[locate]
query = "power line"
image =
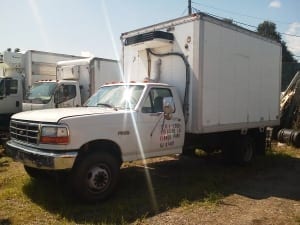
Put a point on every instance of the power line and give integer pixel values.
(240, 14)
(245, 24)
(292, 35)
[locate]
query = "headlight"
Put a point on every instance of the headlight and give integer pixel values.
(54, 135)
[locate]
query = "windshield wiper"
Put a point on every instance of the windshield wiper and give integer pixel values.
(107, 105)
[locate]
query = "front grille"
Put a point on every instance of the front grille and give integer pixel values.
(25, 131)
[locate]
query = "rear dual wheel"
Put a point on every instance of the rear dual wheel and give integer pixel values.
(239, 150)
(244, 152)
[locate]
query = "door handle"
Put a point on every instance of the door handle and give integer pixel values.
(17, 103)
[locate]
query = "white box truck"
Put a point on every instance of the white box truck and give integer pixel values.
(204, 83)
(18, 71)
(75, 81)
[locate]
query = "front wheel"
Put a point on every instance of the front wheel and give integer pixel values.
(95, 176)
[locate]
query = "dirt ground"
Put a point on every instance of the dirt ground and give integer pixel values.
(271, 196)
(236, 210)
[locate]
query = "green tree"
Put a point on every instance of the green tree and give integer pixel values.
(268, 29)
(289, 63)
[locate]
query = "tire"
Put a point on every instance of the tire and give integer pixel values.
(95, 176)
(35, 173)
(260, 143)
(244, 150)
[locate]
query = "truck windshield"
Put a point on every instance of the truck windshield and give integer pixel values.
(40, 93)
(116, 96)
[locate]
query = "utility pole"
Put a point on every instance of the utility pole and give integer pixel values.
(190, 6)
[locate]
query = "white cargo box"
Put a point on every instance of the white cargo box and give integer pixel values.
(42, 65)
(235, 74)
(12, 59)
(91, 73)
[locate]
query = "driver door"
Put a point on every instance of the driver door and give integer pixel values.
(11, 96)
(159, 134)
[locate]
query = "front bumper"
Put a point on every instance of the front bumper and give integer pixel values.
(36, 158)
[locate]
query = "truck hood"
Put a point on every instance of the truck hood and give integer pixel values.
(54, 115)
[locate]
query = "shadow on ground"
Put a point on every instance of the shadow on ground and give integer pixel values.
(173, 183)
(5, 222)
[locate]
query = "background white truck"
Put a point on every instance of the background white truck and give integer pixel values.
(18, 71)
(11, 85)
(205, 83)
(75, 81)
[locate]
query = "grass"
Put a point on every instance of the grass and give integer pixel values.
(177, 183)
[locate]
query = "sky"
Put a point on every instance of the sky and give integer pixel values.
(93, 27)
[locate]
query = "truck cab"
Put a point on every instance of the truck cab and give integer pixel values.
(52, 94)
(142, 123)
(122, 122)
(11, 87)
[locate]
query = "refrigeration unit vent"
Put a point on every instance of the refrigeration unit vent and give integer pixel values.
(150, 39)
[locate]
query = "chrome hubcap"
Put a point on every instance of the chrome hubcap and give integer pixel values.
(98, 178)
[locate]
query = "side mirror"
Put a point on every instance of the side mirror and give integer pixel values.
(168, 107)
(58, 96)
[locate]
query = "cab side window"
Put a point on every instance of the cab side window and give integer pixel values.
(13, 87)
(154, 100)
(67, 92)
(8, 86)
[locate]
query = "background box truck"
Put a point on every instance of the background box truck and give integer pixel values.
(18, 71)
(75, 81)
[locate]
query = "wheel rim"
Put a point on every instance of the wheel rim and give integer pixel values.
(98, 178)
